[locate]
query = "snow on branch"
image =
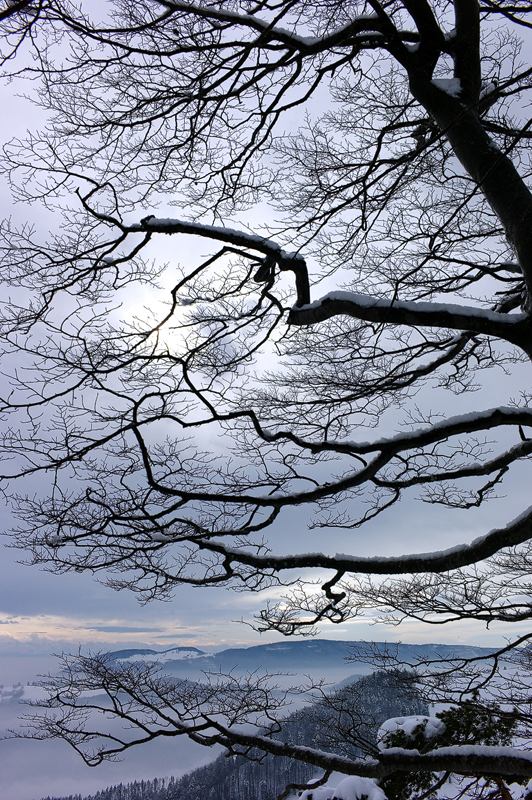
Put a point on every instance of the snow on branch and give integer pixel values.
(268, 32)
(461, 759)
(462, 555)
(512, 327)
(292, 262)
(435, 432)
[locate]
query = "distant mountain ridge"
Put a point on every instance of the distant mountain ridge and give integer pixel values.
(311, 654)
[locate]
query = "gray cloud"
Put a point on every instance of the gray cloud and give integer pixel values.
(122, 629)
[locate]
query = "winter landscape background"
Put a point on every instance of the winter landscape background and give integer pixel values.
(32, 770)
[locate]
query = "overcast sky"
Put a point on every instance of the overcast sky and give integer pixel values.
(75, 608)
(36, 606)
(42, 613)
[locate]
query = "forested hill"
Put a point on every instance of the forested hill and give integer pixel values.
(374, 697)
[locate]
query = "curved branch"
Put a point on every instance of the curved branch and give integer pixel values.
(293, 262)
(460, 759)
(516, 532)
(437, 432)
(515, 328)
(269, 32)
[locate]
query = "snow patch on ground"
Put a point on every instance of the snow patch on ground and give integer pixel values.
(352, 788)
(179, 653)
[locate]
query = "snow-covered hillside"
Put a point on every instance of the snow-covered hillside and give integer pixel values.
(172, 654)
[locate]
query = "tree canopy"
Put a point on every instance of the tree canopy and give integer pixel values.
(359, 173)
